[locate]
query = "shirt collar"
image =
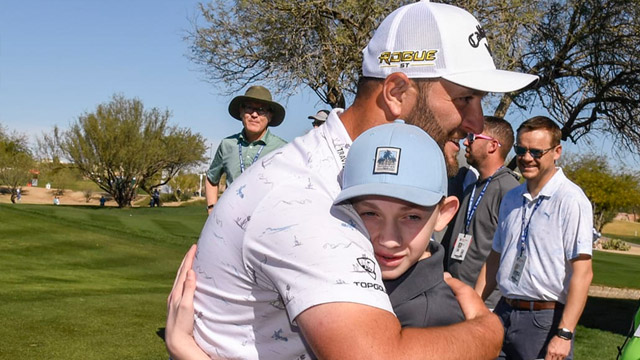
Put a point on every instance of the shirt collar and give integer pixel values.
(550, 187)
(429, 274)
(263, 140)
(336, 135)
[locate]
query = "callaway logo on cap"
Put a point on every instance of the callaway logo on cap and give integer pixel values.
(430, 40)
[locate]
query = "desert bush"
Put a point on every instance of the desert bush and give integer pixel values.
(88, 193)
(615, 244)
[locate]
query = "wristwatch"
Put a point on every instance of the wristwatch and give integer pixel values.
(564, 333)
(209, 207)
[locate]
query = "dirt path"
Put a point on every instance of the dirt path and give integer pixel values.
(615, 293)
(40, 195)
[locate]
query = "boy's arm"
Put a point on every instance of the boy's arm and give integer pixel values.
(179, 331)
(365, 332)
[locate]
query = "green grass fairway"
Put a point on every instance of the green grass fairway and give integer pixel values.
(84, 282)
(624, 230)
(616, 270)
(89, 282)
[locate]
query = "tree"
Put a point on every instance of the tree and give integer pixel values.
(609, 191)
(316, 43)
(16, 160)
(122, 147)
(184, 185)
(586, 52)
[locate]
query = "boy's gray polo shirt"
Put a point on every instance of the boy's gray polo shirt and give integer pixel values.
(420, 297)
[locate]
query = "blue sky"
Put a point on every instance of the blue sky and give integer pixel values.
(59, 59)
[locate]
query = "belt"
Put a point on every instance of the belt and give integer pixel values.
(530, 305)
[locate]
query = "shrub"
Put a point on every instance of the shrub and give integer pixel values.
(88, 193)
(615, 244)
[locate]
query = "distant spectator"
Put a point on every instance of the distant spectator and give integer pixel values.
(319, 118)
(19, 194)
(237, 152)
(102, 200)
(56, 200)
(155, 198)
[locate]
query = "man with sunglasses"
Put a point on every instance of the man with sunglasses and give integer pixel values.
(468, 241)
(257, 111)
(541, 253)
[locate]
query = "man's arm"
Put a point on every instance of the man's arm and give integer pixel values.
(354, 331)
(211, 194)
(576, 299)
(487, 279)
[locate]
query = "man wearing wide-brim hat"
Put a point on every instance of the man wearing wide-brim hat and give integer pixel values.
(236, 153)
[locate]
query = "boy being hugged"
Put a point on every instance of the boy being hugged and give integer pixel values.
(394, 188)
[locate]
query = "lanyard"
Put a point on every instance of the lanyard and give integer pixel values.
(524, 231)
(242, 160)
(471, 210)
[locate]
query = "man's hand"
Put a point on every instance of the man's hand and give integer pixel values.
(558, 349)
(179, 330)
(470, 302)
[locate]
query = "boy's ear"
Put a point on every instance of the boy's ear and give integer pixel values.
(446, 211)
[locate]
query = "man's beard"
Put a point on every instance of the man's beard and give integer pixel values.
(422, 117)
(452, 163)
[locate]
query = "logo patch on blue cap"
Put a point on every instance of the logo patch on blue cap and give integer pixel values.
(387, 160)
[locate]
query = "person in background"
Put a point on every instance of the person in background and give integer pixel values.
(541, 253)
(236, 153)
(469, 238)
(319, 118)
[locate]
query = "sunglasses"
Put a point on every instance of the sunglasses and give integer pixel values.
(535, 153)
(473, 137)
(260, 110)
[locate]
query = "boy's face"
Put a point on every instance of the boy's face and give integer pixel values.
(400, 231)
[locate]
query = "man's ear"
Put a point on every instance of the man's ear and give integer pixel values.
(494, 146)
(396, 94)
(557, 152)
(446, 211)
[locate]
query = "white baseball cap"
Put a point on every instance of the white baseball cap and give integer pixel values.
(431, 40)
(397, 160)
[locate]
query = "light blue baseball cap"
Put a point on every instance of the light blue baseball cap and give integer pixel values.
(397, 160)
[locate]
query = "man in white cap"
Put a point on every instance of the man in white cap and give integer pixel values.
(280, 277)
(319, 118)
(236, 153)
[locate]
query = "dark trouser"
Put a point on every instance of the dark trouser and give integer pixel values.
(528, 332)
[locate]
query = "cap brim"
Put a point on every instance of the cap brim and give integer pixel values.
(498, 81)
(277, 110)
(410, 194)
